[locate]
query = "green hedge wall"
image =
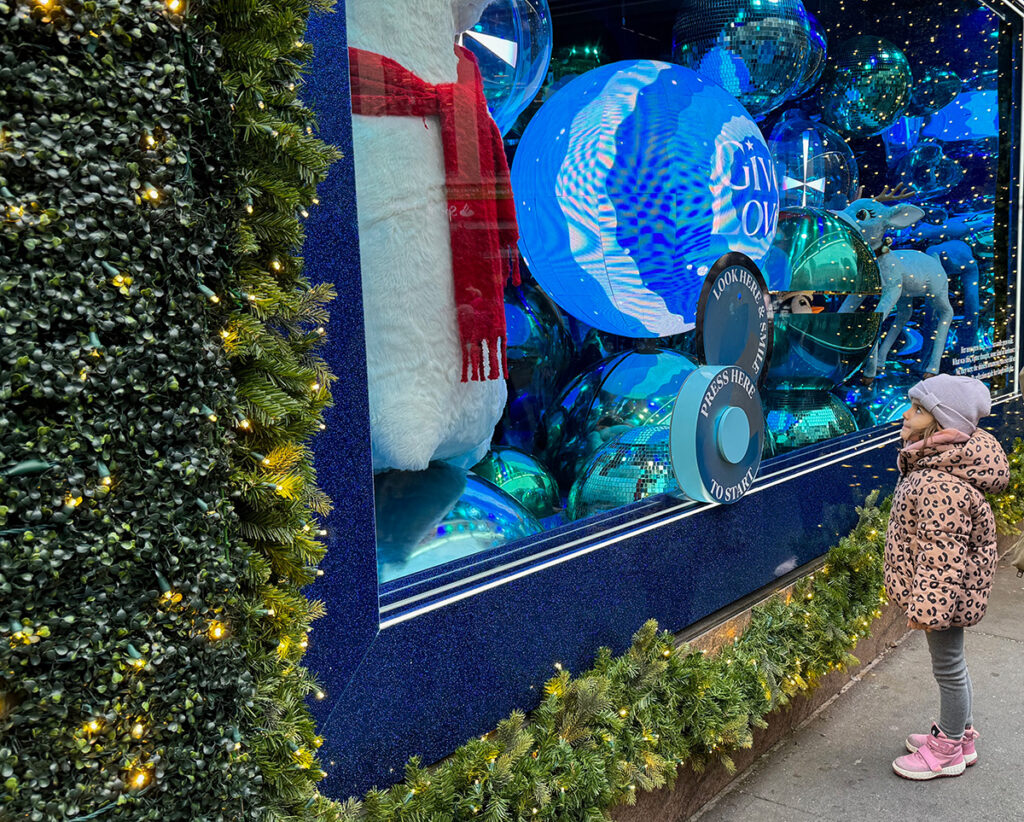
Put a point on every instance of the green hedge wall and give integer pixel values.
(159, 381)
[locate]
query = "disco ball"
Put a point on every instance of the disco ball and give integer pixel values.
(824, 258)
(540, 350)
(794, 419)
(928, 171)
(817, 57)
(512, 44)
(935, 89)
(883, 401)
(867, 88)
(523, 477)
(759, 52)
(625, 391)
(630, 182)
(427, 518)
(634, 465)
(815, 166)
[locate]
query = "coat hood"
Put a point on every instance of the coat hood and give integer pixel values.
(980, 461)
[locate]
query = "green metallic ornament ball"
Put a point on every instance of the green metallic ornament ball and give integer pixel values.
(521, 476)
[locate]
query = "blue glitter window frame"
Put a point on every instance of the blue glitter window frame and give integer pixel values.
(433, 661)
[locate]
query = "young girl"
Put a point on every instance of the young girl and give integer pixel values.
(940, 552)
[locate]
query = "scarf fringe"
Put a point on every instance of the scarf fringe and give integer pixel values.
(473, 360)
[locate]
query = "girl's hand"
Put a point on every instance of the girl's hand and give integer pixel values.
(913, 625)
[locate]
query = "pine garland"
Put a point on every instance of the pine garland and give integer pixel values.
(630, 722)
(273, 321)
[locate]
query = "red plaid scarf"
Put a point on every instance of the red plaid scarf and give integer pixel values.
(480, 208)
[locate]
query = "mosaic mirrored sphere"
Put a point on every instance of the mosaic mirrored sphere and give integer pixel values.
(819, 264)
(634, 465)
(630, 182)
(884, 401)
(427, 518)
(794, 419)
(816, 58)
(936, 88)
(512, 44)
(928, 170)
(815, 166)
(867, 88)
(759, 52)
(540, 350)
(522, 476)
(628, 390)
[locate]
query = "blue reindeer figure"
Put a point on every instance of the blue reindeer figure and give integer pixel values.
(905, 274)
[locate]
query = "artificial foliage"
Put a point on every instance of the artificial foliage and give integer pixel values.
(1008, 506)
(159, 383)
(631, 722)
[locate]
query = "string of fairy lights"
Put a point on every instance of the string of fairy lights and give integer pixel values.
(957, 35)
(139, 772)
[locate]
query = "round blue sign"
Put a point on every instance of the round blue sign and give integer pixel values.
(717, 434)
(630, 182)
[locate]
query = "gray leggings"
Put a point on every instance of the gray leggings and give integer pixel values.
(950, 670)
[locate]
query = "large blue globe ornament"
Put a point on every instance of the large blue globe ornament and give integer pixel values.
(629, 390)
(512, 43)
(630, 182)
(815, 166)
(901, 137)
(821, 256)
(540, 349)
(816, 58)
(760, 52)
(522, 476)
(868, 87)
(797, 419)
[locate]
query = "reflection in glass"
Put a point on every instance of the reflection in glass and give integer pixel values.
(427, 518)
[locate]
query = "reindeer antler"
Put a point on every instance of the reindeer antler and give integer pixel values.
(889, 195)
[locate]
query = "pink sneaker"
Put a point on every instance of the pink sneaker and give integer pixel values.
(939, 756)
(915, 741)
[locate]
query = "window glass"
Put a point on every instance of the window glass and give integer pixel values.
(852, 151)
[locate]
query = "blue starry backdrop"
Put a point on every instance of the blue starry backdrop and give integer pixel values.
(648, 138)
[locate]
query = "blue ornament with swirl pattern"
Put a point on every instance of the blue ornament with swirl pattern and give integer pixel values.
(630, 182)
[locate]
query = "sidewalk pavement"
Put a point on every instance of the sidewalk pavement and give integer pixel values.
(837, 766)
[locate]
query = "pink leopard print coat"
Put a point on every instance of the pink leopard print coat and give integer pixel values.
(940, 549)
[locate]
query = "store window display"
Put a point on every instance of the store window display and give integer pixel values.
(853, 158)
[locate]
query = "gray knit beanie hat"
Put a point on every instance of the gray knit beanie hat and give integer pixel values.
(955, 402)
